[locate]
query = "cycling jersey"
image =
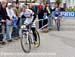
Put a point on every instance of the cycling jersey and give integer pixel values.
(29, 16)
(56, 13)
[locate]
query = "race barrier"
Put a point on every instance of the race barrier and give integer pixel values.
(42, 24)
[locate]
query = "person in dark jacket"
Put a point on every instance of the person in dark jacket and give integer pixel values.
(3, 17)
(40, 14)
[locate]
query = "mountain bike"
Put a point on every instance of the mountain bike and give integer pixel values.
(57, 22)
(27, 38)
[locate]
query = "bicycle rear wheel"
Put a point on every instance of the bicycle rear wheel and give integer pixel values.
(25, 43)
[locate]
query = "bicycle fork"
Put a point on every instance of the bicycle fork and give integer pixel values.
(27, 36)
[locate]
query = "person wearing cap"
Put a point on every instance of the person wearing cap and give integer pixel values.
(27, 16)
(10, 14)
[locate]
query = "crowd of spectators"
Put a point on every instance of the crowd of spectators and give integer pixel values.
(9, 16)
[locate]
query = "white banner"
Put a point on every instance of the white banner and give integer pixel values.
(0, 0)
(52, 0)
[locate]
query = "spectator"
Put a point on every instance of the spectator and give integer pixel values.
(52, 8)
(40, 7)
(4, 16)
(35, 8)
(17, 12)
(11, 14)
(49, 15)
(40, 14)
(62, 9)
(15, 28)
(17, 9)
(45, 15)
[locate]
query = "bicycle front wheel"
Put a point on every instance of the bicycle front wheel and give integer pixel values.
(38, 38)
(58, 25)
(25, 43)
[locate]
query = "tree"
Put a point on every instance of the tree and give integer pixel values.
(58, 2)
(17, 1)
(44, 1)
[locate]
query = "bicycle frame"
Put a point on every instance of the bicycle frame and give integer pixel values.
(26, 30)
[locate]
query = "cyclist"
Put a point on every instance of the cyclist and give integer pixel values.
(28, 15)
(57, 14)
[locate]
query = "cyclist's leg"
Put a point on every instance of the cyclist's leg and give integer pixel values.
(34, 33)
(55, 21)
(33, 28)
(35, 38)
(58, 22)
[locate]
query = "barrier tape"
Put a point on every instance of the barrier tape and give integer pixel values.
(42, 20)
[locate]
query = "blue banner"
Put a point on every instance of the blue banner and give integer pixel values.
(68, 13)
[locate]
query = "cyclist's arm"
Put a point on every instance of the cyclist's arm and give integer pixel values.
(34, 16)
(22, 15)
